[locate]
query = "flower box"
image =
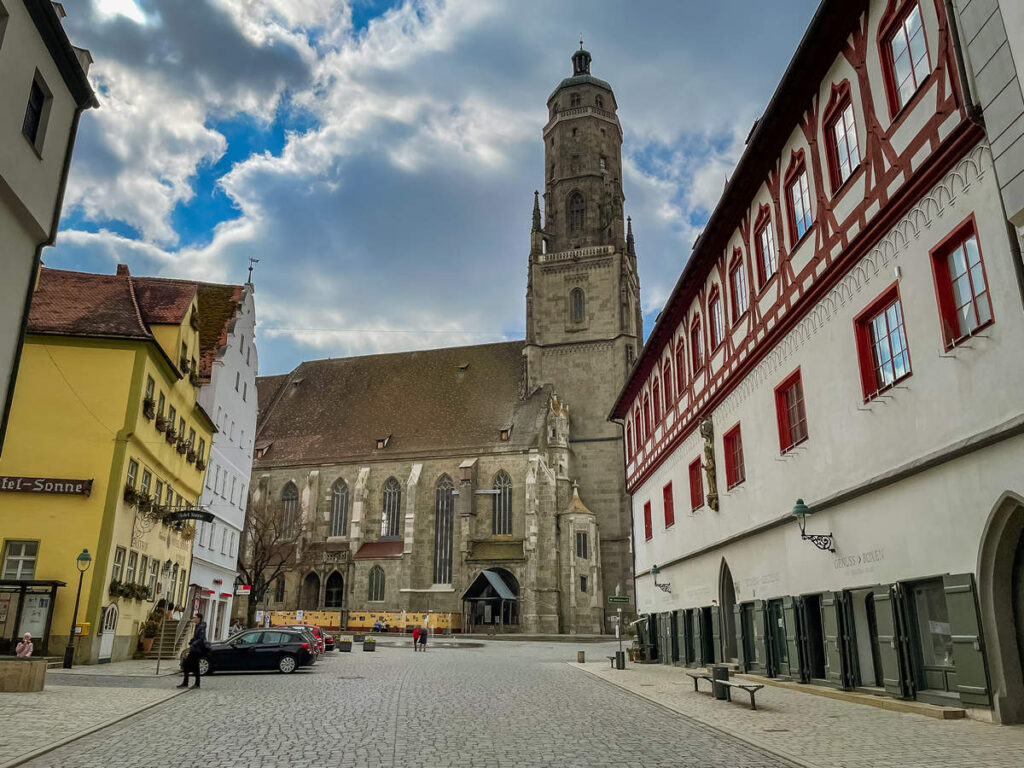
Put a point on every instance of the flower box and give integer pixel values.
(200, 463)
(130, 495)
(182, 446)
(161, 423)
(191, 456)
(369, 644)
(183, 364)
(149, 408)
(193, 378)
(170, 435)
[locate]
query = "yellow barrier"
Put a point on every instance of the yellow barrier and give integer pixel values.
(323, 619)
(402, 621)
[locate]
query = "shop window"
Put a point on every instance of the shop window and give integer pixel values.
(790, 412)
(734, 470)
(648, 525)
(20, 560)
(764, 245)
(798, 195)
(961, 284)
(715, 322)
(905, 64)
(696, 346)
(882, 344)
(669, 506)
(841, 150)
(738, 287)
(696, 485)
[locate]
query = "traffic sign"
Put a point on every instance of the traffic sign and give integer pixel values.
(618, 599)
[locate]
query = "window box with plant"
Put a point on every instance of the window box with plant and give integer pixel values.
(170, 435)
(149, 408)
(200, 463)
(182, 446)
(144, 502)
(116, 589)
(193, 378)
(183, 363)
(131, 496)
(191, 457)
(161, 423)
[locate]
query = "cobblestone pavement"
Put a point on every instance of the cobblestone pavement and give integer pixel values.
(826, 733)
(505, 704)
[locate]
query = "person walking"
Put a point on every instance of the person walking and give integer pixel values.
(24, 649)
(198, 647)
(423, 640)
(415, 638)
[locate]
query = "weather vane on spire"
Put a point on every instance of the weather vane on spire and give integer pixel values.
(252, 262)
(581, 41)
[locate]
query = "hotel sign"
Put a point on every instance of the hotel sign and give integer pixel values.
(45, 485)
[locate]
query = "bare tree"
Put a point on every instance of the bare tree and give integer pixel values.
(272, 549)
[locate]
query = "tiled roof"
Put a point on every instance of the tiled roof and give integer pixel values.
(218, 305)
(376, 550)
(84, 304)
(453, 399)
(163, 302)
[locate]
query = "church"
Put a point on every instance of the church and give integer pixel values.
(482, 482)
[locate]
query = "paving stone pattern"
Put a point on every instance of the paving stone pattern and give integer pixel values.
(506, 704)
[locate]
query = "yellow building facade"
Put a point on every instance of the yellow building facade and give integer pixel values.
(105, 441)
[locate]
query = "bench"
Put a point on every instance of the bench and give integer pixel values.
(698, 676)
(751, 688)
(612, 660)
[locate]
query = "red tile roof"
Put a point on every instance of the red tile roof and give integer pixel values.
(163, 302)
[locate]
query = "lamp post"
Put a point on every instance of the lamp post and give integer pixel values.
(83, 561)
(823, 542)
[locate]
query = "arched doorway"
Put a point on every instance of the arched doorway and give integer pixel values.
(310, 592)
(1001, 599)
(492, 599)
(727, 601)
(334, 593)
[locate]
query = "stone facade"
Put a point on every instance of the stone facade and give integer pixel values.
(503, 453)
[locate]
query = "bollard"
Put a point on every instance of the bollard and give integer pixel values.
(581, 657)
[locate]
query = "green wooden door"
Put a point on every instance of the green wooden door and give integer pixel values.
(737, 612)
(831, 629)
(717, 641)
(791, 607)
(758, 628)
(968, 646)
(891, 645)
(698, 638)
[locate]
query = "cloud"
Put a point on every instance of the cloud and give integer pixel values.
(393, 189)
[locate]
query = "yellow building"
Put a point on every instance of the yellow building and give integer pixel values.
(105, 440)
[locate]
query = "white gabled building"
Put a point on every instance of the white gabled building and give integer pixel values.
(848, 332)
(228, 394)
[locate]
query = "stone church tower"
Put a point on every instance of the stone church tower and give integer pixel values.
(583, 318)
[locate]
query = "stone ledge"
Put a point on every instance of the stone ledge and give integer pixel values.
(22, 675)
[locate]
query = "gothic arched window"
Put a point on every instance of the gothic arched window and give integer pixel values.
(289, 508)
(375, 591)
(501, 515)
(392, 505)
(339, 508)
(574, 100)
(577, 305)
(444, 503)
(576, 208)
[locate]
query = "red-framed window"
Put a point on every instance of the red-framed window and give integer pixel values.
(656, 398)
(696, 347)
(638, 433)
(680, 367)
(882, 343)
(716, 324)
(764, 245)
(670, 512)
(647, 416)
(629, 441)
(841, 149)
(790, 411)
(738, 294)
(961, 285)
(696, 485)
(904, 53)
(798, 195)
(648, 526)
(735, 474)
(666, 376)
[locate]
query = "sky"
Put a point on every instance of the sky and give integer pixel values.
(379, 158)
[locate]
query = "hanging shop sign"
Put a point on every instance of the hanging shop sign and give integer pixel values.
(243, 589)
(189, 514)
(45, 485)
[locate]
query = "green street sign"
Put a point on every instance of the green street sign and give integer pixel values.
(618, 599)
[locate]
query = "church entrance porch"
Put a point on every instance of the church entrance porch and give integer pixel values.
(492, 600)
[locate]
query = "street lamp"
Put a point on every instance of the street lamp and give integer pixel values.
(83, 561)
(822, 541)
(664, 586)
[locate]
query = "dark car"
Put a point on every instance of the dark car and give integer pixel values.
(282, 649)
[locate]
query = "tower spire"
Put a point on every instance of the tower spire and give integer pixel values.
(536, 211)
(630, 249)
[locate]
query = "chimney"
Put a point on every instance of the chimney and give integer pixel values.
(122, 270)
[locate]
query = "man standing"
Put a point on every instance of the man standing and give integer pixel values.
(198, 647)
(415, 638)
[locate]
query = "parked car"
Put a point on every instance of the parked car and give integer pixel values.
(328, 642)
(315, 631)
(280, 648)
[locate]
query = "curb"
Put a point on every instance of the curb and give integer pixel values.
(24, 758)
(724, 731)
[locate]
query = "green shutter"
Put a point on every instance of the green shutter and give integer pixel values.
(830, 629)
(698, 637)
(889, 644)
(716, 633)
(790, 607)
(680, 630)
(737, 612)
(968, 646)
(666, 635)
(760, 624)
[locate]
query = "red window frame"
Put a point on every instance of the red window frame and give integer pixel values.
(738, 293)
(637, 430)
(976, 282)
(882, 348)
(796, 177)
(629, 441)
(791, 413)
(732, 443)
(765, 259)
(893, 24)
(647, 416)
(696, 347)
(648, 526)
(716, 322)
(696, 485)
(666, 377)
(839, 112)
(656, 399)
(680, 367)
(670, 512)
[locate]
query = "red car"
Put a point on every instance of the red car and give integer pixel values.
(315, 631)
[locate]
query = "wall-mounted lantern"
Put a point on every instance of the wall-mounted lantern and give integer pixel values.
(823, 542)
(664, 586)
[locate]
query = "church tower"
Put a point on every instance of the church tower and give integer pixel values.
(583, 318)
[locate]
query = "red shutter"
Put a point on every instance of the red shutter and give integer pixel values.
(648, 528)
(670, 512)
(696, 485)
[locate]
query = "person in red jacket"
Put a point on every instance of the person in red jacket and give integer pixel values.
(415, 638)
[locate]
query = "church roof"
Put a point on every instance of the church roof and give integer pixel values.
(452, 400)
(569, 82)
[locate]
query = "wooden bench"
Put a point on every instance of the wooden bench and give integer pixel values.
(751, 688)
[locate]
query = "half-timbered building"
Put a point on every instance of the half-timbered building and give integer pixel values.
(824, 429)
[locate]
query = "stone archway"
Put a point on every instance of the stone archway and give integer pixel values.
(727, 601)
(310, 597)
(334, 592)
(1001, 602)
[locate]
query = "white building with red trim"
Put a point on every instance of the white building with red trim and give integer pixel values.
(848, 332)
